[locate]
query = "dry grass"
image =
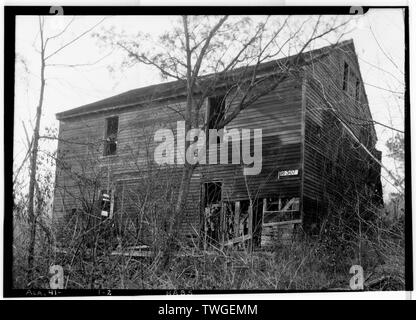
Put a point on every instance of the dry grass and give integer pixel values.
(320, 263)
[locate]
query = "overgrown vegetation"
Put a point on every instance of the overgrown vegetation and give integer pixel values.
(352, 233)
(355, 234)
(306, 263)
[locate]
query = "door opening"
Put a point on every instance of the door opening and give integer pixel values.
(212, 207)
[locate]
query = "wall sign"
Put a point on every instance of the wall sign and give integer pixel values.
(288, 173)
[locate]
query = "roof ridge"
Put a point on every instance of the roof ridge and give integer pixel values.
(126, 98)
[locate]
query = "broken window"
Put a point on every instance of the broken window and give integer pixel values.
(242, 224)
(345, 79)
(215, 114)
(111, 129)
(351, 82)
(229, 223)
(216, 111)
(357, 90)
(276, 210)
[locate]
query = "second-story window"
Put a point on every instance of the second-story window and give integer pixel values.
(357, 89)
(111, 129)
(216, 112)
(345, 78)
(351, 82)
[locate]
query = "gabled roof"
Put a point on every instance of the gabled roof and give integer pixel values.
(175, 88)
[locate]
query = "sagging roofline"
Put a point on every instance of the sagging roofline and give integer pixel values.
(177, 88)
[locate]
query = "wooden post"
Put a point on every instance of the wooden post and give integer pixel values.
(250, 226)
(112, 199)
(222, 225)
(264, 207)
(237, 219)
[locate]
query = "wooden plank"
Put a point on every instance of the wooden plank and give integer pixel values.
(234, 241)
(280, 211)
(282, 223)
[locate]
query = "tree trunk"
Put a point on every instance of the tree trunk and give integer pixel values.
(171, 244)
(183, 195)
(33, 168)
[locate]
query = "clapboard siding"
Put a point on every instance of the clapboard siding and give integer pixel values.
(327, 141)
(80, 150)
(299, 131)
(278, 115)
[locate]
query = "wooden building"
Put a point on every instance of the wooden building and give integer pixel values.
(318, 149)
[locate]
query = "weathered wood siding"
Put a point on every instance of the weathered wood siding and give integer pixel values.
(80, 154)
(279, 116)
(300, 131)
(333, 161)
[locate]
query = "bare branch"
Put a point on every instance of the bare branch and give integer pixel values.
(75, 39)
(60, 33)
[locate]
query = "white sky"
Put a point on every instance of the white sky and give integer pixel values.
(71, 87)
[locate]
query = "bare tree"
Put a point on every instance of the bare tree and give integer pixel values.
(44, 55)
